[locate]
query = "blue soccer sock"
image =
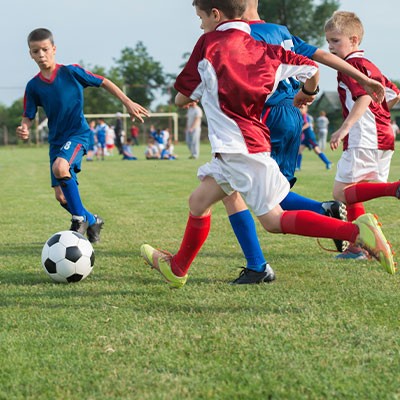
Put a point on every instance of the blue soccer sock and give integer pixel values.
(89, 216)
(245, 230)
(323, 157)
(299, 160)
(70, 190)
(294, 201)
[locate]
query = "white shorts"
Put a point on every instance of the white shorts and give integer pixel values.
(255, 176)
(359, 164)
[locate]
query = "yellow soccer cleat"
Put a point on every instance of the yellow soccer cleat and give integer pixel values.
(160, 260)
(372, 239)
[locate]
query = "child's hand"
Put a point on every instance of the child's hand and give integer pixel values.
(336, 138)
(375, 90)
(135, 110)
(23, 131)
(302, 99)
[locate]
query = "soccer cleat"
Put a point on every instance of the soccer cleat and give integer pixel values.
(161, 261)
(248, 276)
(329, 166)
(336, 209)
(352, 255)
(93, 231)
(398, 192)
(372, 239)
(78, 224)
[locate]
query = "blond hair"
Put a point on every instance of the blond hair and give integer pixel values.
(346, 23)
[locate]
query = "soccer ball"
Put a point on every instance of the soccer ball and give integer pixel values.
(67, 257)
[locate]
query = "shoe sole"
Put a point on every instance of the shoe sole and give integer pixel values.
(381, 251)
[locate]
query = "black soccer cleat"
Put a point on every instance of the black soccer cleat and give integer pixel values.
(248, 276)
(78, 224)
(337, 209)
(93, 231)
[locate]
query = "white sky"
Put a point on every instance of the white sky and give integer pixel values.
(89, 31)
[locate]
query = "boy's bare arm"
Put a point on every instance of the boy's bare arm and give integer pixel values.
(135, 110)
(181, 100)
(358, 110)
(371, 86)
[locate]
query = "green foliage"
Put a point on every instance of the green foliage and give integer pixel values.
(304, 18)
(143, 77)
(323, 330)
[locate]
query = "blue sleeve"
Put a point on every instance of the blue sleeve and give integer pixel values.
(303, 48)
(30, 103)
(85, 78)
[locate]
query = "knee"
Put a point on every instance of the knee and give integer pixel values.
(196, 206)
(60, 168)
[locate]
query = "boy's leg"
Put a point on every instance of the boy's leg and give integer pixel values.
(365, 231)
(364, 191)
(174, 268)
(257, 269)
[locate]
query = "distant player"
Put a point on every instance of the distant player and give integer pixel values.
(59, 90)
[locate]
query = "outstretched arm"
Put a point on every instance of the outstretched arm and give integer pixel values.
(310, 86)
(135, 110)
(371, 86)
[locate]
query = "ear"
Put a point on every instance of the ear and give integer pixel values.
(354, 40)
(216, 14)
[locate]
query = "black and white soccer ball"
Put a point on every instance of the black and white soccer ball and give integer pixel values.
(67, 256)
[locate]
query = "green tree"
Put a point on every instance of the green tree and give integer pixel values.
(304, 18)
(143, 77)
(98, 100)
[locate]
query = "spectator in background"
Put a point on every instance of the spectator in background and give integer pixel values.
(118, 132)
(152, 152)
(91, 144)
(395, 127)
(134, 135)
(110, 139)
(101, 130)
(193, 129)
(322, 124)
(127, 150)
(168, 152)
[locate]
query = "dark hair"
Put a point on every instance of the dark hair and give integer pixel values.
(40, 34)
(231, 8)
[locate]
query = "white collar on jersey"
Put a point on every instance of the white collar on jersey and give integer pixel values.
(234, 24)
(357, 54)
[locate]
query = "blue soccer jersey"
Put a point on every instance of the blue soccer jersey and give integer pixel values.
(280, 35)
(61, 97)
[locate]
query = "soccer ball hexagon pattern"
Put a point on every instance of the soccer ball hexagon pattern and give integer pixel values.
(67, 257)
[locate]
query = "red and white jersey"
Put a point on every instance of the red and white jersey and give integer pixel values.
(372, 130)
(233, 75)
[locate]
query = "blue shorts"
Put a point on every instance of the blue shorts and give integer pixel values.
(101, 141)
(72, 151)
(285, 123)
(309, 140)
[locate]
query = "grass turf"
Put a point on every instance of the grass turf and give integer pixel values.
(324, 329)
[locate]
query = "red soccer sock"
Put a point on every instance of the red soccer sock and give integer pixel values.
(197, 229)
(354, 211)
(308, 223)
(365, 191)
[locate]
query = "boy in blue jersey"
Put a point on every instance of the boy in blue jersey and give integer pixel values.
(309, 140)
(285, 123)
(58, 89)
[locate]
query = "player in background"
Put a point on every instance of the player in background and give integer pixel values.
(368, 141)
(240, 141)
(309, 140)
(59, 90)
(285, 123)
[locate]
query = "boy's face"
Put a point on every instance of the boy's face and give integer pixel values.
(43, 53)
(340, 44)
(208, 22)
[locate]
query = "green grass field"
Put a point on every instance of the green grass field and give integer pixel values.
(324, 330)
